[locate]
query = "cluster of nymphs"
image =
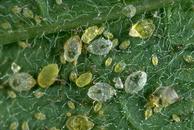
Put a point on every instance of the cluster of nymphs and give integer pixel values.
(98, 41)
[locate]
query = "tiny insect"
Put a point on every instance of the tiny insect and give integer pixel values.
(135, 82)
(38, 94)
(108, 61)
(148, 113)
(72, 49)
(27, 13)
(119, 67)
(176, 118)
(23, 44)
(100, 46)
(79, 122)
(101, 92)
(115, 42)
(11, 94)
(129, 11)
(15, 68)
(143, 29)
(118, 83)
(48, 75)
(108, 34)
(13, 126)
(84, 79)
(97, 107)
(73, 76)
(101, 30)
(21, 82)
(38, 19)
(71, 105)
(167, 95)
(154, 59)
(25, 126)
(40, 116)
(124, 45)
(91, 33)
(68, 114)
(188, 59)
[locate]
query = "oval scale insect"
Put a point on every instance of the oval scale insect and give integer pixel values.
(21, 82)
(129, 11)
(90, 33)
(71, 105)
(40, 116)
(84, 79)
(108, 61)
(135, 82)
(72, 49)
(101, 92)
(48, 75)
(97, 107)
(119, 67)
(25, 126)
(143, 29)
(79, 122)
(100, 46)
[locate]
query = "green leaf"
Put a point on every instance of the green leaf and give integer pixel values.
(172, 39)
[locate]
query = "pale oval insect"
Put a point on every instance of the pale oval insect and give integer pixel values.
(108, 34)
(148, 113)
(79, 122)
(72, 49)
(167, 95)
(11, 94)
(143, 29)
(25, 126)
(90, 33)
(120, 67)
(84, 79)
(108, 61)
(97, 107)
(73, 76)
(71, 105)
(115, 42)
(176, 118)
(21, 82)
(48, 75)
(188, 59)
(14, 126)
(124, 45)
(100, 46)
(101, 92)
(15, 68)
(118, 83)
(154, 59)
(129, 11)
(40, 116)
(135, 82)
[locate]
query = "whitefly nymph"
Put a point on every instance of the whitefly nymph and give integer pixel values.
(21, 82)
(135, 82)
(101, 92)
(100, 46)
(72, 49)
